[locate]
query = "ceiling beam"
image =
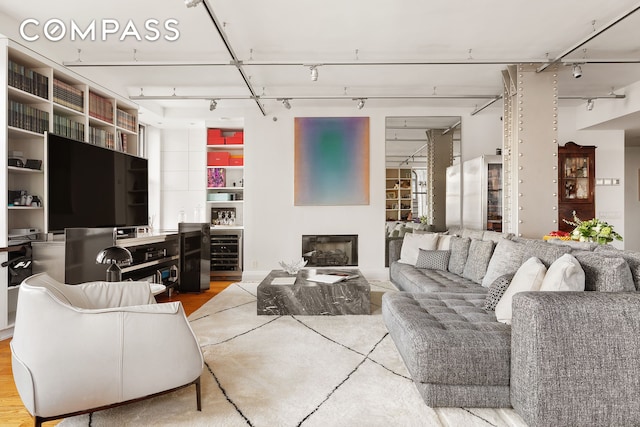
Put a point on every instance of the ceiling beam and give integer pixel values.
(201, 63)
(588, 38)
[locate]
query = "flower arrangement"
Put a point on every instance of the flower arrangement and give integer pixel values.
(593, 230)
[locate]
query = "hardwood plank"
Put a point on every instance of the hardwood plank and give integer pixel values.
(12, 411)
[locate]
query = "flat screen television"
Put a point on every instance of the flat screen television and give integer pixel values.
(93, 186)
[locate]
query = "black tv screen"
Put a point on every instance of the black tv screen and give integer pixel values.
(93, 186)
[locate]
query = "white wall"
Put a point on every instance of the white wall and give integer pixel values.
(273, 225)
(183, 176)
(610, 163)
(632, 199)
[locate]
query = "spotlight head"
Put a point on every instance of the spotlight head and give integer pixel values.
(360, 103)
(212, 105)
(590, 104)
(314, 73)
(192, 3)
(576, 70)
(286, 103)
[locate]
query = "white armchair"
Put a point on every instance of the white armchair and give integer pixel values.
(80, 348)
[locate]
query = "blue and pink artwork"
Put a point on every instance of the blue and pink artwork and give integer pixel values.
(331, 161)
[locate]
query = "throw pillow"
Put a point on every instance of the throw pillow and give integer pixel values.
(565, 274)
(506, 259)
(529, 277)
(459, 252)
(434, 260)
(412, 243)
(478, 260)
(444, 242)
(496, 290)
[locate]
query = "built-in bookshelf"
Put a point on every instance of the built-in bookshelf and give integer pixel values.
(41, 96)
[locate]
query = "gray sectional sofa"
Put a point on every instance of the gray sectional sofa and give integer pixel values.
(566, 359)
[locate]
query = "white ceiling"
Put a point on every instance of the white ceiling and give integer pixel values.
(277, 40)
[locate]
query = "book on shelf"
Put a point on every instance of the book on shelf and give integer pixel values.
(125, 120)
(64, 126)
(27, 80)
(66, 95)
(27, 117)
(100, 108)
(332, 277)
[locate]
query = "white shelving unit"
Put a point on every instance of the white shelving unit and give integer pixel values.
(398, 194)
(42, 96)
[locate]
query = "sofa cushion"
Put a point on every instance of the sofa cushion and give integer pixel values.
(411, 279)
(448, 338)
(545, 252)
(459, 252)
(605, 273)
(565, 274)
(506, 259)
(472, 234)
(436, 260)
(528, 278)
(496, 290)
(495, 236)
(478, 260)
(632, 258)
(412, 243)
(574, 244)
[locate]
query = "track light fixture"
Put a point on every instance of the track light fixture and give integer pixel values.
(590, 104)
(285, 102)
(360, 104)
(576, 70)
(314, 73)
(192, 3)
(213, 104)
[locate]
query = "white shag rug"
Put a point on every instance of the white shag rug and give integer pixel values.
(268, 371)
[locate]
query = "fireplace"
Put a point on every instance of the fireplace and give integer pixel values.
(330, 250)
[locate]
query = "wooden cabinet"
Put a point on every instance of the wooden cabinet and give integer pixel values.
(576, 183)
(398, 194)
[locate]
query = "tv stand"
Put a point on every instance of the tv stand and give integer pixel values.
(156, 257)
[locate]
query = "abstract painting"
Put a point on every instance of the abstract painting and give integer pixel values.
(331, 161)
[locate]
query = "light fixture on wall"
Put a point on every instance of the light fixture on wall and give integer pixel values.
(192, 3)
(360, 104)
(576, 71)
(314, 73)
(115, 256)
(590, 104)
(213, 104)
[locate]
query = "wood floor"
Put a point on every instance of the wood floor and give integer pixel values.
(13, 412)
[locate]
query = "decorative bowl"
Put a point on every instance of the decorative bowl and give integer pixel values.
(293, 267)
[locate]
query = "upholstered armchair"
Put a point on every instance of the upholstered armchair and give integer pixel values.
(80, 348)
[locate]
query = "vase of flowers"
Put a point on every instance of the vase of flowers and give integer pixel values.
(593, 230)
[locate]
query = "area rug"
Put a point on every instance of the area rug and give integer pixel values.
(294, 371)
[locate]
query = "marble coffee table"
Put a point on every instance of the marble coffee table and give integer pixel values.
(305, 297)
